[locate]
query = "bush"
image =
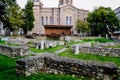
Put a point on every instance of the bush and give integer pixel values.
(29, 36)
(2, 42)
(34, 34)
(30, 42)
(53, 36)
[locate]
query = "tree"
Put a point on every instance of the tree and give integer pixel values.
(2, 7)
(29, 17)
(2, 10)
(103, 21)
(13, 15)
(82, 26)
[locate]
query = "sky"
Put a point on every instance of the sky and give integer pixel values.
(81, 4)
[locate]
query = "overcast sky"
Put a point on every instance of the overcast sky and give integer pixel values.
(82, 4)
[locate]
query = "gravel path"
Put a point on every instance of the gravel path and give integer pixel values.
(59, 51)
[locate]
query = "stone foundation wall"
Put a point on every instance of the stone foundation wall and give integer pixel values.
(47, 44)
(20, 41)
(112, 52)
(50, 63)
(14, 51)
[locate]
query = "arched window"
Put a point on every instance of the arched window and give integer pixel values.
(67, 20)
(42, 20)
(51, 20)
(70, 21)
(46, 20)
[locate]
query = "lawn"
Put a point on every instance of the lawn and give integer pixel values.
(8, 72)
(83, 56)
(101, 40)
(73, 43)
(32, 49)
(8, 65)
(2, 42)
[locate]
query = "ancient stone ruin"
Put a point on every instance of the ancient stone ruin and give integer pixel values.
(19, 41)
(99, 49)
(51, 63)
(14, 51)
(47, 44)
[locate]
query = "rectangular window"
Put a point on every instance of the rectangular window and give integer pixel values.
(42, 20)
(51, 20)
(46, 20)
(67, 20)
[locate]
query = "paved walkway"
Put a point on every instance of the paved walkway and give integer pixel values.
(56, 52)
(59, 51)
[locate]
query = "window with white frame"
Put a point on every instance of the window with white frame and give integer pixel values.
(70, 21)
(51, 20)
(46, 20)
(42, 20)
(67, 20)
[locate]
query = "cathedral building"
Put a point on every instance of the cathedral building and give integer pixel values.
(117, 12)
(57, 19)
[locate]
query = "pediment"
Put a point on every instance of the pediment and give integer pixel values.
(69, 7)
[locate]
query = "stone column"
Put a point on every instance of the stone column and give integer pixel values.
(46, 45)
(76, 49)
(99, 36)
(37, 45)
(42, 45)
(106, 35)
(11, 33)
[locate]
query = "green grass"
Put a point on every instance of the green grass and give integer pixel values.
(8, 72)
(32, 49)
(8, 65)
(46, 50)
(68, 53)
(113, 46)
(2, 42)
(72, 43)
(102, 40)
(13, 44)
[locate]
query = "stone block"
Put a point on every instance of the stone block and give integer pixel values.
(51, 63)
(14, 51)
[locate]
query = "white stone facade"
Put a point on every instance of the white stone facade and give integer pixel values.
(117, 11)
(64, 14)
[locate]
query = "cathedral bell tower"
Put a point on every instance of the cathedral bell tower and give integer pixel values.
(38, 28)
(65, 2)
(37, 3)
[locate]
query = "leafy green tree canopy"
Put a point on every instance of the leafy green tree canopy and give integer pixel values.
(82, 26)
(13, 15)
(103, 21)
(29, 17)
(2, 7)
(2, 10)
